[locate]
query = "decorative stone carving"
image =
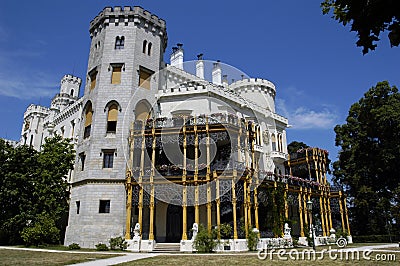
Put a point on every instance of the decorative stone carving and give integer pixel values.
(286, 231)
(136, 231)
(195, 230)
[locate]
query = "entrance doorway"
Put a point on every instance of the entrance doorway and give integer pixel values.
(174, 224)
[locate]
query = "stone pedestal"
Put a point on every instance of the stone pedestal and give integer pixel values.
(187, 246)
(133, 244)
(147, 245)
(303, 241)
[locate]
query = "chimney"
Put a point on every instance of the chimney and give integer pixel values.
(225, 80)
(200, 66)
(177, 56)
(216, 73)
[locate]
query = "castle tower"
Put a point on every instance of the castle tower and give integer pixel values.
(69, 93)
(126, 51)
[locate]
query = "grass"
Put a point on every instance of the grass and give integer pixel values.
(23, 257)
(249, 259)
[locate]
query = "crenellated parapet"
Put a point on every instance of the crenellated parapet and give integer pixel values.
(254, 85)
(38, 110)
(128, 15)
(70, 79)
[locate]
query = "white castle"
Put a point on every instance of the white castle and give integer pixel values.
(134, 108)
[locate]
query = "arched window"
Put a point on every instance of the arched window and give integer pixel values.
(112, 118)
(144, 46)
(88, 120)
(273, 140)
(72, 92)
(119, 42)
(142, 111)
(149, 48)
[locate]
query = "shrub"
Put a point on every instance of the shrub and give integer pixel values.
(42, 231)
(101, 247)
(118, 243)
(252, 239)
(225, 230)
(74, 246)
(205, 242)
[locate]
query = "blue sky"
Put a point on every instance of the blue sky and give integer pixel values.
(313, 61)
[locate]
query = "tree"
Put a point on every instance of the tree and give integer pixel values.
(368, 160)
(368, 18)
(294, 146)
(33, 184)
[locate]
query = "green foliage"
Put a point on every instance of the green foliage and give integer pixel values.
(294, 146)
(118, 243)
(74, 246)
(101, 247)
(33, 183)
(341, 233)
(42, 230)
(225, 230)
(252, 239)
(368, 19)
(368, 160)
(205, 241)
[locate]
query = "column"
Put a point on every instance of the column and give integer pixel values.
(341, 210)
(235, 235)
(245, 204)
(286, 204)
(209, 203)
(299, 197)
(218, 202)
(347, 216)
(129, 186)
(196, 174)
(305, 206)
(153, 166)
(321, 206)
(184, 192)
(329, 211)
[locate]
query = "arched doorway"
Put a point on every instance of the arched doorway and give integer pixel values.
(174, 223)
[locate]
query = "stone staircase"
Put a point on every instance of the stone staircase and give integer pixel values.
(167, 248)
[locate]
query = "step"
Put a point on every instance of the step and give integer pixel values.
(167, 247)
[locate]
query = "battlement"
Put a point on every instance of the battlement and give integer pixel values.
(36, 109)
(126, 15)
(71, 79)
(245, 84)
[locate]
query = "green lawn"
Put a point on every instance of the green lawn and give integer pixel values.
(23, 257)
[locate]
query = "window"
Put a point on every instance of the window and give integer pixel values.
(144, 77)
(104, 206)
(273, 139)
(119, 42)
(31, 142)
(78, 206)
(144, 46)
(88, 121)
(82, 157)
(116, 74)
(149, 48)
(112, 118)
(108, 158)
(93, 76)
(72, 92)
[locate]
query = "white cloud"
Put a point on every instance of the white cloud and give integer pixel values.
(304, 118)
(27, 86)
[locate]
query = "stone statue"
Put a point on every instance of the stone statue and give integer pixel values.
(333, 234)
(136, 231)
(286, 231)
(195, 230)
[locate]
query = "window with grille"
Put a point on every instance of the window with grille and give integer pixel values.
(108, 158)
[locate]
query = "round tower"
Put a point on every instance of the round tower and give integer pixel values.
(126, 53)
(260, 91)
(69, 93)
